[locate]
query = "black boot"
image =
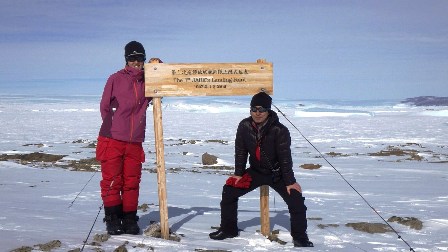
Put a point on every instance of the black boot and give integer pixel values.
(130, 225)
(221, 234)
(303, 242)
(112, 218)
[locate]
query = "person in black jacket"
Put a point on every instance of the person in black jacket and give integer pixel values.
(267, 144)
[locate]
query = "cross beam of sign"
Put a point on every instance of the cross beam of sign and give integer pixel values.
(202, 79)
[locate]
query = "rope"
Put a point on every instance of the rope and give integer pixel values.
(91, 228)
(71, 204)
(96, 218)
(328, 162)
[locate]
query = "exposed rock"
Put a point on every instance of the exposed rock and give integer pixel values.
(208, 159)
(427, 101)
(273, 236)
(184, 141)
(32, 157)
(122, 248)
(39, 145)
(395, 151)
(217, 141)
(334, 154)
(89, 164)
(43, 247)
(144, 246)
(23, 249)
(370, 228)
(49, 245)
(81, 141)
(323, 226)
(154, 230)
(220, 167)
(101, 237)
(91, 145)
(311, 166)
(412, 222)
(144, 207)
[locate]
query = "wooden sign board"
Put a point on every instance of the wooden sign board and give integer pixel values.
(207, 79)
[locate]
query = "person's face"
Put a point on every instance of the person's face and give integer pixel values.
(259, 114)
(136, 61)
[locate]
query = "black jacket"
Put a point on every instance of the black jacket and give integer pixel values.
(275, 148)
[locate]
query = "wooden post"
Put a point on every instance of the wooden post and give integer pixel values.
(264, 199)
(160, 159)
(264, 210)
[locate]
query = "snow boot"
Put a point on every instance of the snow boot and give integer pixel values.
(303, 242)
(130, 225)
(112, 218)
(222, 234)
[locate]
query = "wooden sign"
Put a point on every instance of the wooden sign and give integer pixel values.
(214, 79)
(208, 79)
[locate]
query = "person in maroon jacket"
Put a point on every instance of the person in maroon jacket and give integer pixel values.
(119, 149)
(267, 144)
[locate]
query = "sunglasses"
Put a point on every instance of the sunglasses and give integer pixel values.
(135, 58)
(260, 109)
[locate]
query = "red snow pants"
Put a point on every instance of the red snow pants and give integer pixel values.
(121, 169)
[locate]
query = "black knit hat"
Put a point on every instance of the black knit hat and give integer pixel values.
(261, 99)
(134, 48)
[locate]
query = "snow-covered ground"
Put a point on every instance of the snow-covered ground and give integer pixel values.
(395, 155)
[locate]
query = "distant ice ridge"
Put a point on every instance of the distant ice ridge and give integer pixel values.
(203, 108)
(311, 108)
(206, 104)
(320, 112)
(443, 113)
(307, 108)
(236, 104)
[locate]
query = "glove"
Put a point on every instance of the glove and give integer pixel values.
(243, 183)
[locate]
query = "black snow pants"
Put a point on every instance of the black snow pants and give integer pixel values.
(295, 202)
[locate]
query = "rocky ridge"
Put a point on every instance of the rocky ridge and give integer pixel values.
(427, 101)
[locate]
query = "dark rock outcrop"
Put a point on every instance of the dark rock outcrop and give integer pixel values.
(427, 101)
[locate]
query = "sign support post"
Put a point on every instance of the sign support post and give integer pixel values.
(160, 159)
(264, 210)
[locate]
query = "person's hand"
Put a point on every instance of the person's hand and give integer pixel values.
(294, 186)
(155, 60)
(237, 178)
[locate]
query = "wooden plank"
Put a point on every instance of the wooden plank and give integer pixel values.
(208, 79)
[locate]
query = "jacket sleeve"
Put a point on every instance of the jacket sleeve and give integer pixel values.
(106, 98)
(284, 156)
(241, 152)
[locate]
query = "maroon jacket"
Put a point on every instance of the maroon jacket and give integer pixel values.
(123, 106)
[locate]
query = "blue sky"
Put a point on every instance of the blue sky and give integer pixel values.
(320, 49)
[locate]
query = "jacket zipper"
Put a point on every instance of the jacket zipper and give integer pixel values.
(133, 111)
